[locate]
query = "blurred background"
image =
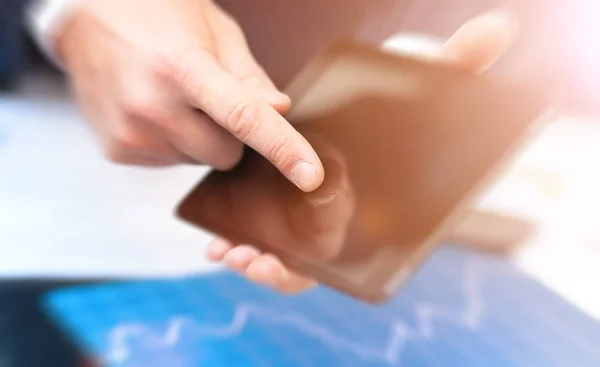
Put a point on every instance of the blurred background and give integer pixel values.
(67, 214)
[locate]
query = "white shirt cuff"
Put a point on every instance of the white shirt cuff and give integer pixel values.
(47, 19)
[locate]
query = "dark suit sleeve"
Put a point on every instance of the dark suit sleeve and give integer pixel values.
(17, 50)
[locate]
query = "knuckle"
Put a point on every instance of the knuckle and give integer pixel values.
(279, 152)
(129, 140)
(169, 64)
(242, 119)
(178, 77)
(140, 106)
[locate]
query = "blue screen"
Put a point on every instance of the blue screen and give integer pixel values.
(460, 309)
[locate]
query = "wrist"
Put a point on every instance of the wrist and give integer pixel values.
(49, 20)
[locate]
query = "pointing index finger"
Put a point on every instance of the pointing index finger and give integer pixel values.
(253, 121)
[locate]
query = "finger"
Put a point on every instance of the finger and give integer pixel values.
(233, 105)
(123, 140)
(139, 110)
(218, 248)
(192, 133)
(481, 41)
(268, 270)
(136, 149)
(254, 77)
(235, 56)
(133, 140)
(197, 136)
(240, 257)
(135, 159)
(295, 283)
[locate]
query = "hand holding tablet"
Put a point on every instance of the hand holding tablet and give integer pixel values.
(409, 144)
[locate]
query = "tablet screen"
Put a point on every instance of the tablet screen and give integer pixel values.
(405, 147)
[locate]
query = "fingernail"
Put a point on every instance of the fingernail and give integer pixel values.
(304, 175)
(277, 280)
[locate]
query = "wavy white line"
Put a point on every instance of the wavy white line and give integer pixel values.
(401, 333)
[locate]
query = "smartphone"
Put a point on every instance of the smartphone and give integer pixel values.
(407, 145)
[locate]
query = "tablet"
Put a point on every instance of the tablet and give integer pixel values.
(407, 145)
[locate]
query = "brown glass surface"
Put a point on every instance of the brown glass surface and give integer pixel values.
(406, 145)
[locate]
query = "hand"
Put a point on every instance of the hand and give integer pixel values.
(172, 81)
(474, 47)
(258, 203)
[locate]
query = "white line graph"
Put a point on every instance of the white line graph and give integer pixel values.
(428, 315)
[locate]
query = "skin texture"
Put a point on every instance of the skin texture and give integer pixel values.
(172, 82)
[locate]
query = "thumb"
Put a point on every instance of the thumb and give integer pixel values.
(481, 41)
